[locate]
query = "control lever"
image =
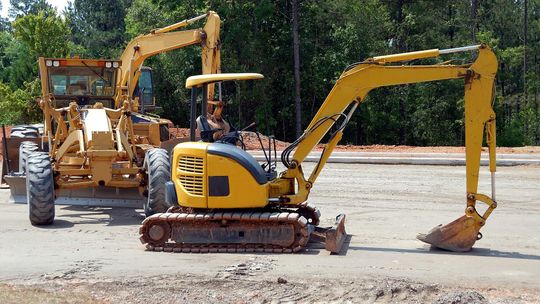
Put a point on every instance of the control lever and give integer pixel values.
(251, 125)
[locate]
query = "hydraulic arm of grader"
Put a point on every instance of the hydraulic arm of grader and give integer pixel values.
(351, 89)
(166, 39)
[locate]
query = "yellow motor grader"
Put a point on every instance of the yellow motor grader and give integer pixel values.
(99, 144)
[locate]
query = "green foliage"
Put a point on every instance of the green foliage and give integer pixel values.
(45, 36)
(256, 36)
(141, 17)
(19, 106)
(4, 24)
(98, 26)
(17, 63)
(37, 31)
(20, 8)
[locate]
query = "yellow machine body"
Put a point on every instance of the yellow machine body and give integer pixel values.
(246, 188)
(206, 180)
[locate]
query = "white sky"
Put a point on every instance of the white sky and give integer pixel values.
(59, 4)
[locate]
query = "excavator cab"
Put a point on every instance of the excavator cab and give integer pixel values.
(211, 125)
(145, 90)
(214, 129)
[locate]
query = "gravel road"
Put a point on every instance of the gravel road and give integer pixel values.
(95, 251)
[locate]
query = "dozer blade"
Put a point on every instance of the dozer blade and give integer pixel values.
(333, 237)
(459, 235)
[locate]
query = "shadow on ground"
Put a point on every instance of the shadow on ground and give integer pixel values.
(483, 252)
(109, 216)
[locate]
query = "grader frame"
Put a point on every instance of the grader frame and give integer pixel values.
(92, 145)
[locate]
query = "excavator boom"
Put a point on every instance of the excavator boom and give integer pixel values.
(166, 39)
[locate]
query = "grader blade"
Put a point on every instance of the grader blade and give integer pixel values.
(92, 196)
(459, 235)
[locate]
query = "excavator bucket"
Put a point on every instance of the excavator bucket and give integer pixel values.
(459, 235)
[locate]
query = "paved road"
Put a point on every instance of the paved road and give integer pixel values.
(386, 207)
(407, 158)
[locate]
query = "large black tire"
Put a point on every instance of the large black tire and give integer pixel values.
(25, 131)
(158, 171)
(25, 149)
(40, 188)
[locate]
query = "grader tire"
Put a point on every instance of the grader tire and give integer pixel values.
(40, 189)
(25, 149)
(158, 170)
(24, 131)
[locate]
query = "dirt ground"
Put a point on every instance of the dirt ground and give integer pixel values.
(92, 254)
(252, 143)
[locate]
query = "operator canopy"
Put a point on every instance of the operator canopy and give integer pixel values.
(199, 80)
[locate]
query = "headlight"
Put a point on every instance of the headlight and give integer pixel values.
(56, 63)
(115, 64)
(108, 64)
(48, 63)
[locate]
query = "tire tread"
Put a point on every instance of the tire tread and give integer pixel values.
(40, 189)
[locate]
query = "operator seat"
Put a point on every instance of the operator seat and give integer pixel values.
(212, 129)
(207, 133)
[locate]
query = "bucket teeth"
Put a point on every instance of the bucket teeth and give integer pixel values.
(459, 235)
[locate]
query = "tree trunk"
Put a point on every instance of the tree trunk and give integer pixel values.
(474, 9)
(296, 55)
(402, 90)
(452, 29)
(525, 34)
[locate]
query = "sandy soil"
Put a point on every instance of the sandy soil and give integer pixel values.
(252, 143)
(242, 289)
(93, 254)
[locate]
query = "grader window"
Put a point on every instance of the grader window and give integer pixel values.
(82, 81)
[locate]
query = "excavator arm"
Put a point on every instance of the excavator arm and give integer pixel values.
(166, 39)
(352, 88)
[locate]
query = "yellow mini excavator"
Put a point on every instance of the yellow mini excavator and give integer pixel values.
(227, 202)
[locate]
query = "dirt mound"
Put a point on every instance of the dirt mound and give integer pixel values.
(462, 297)
(241, 288)
(252, 143)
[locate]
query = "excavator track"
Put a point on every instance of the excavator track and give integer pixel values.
(236, 231)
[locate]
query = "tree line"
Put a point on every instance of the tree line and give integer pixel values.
(258, 36)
